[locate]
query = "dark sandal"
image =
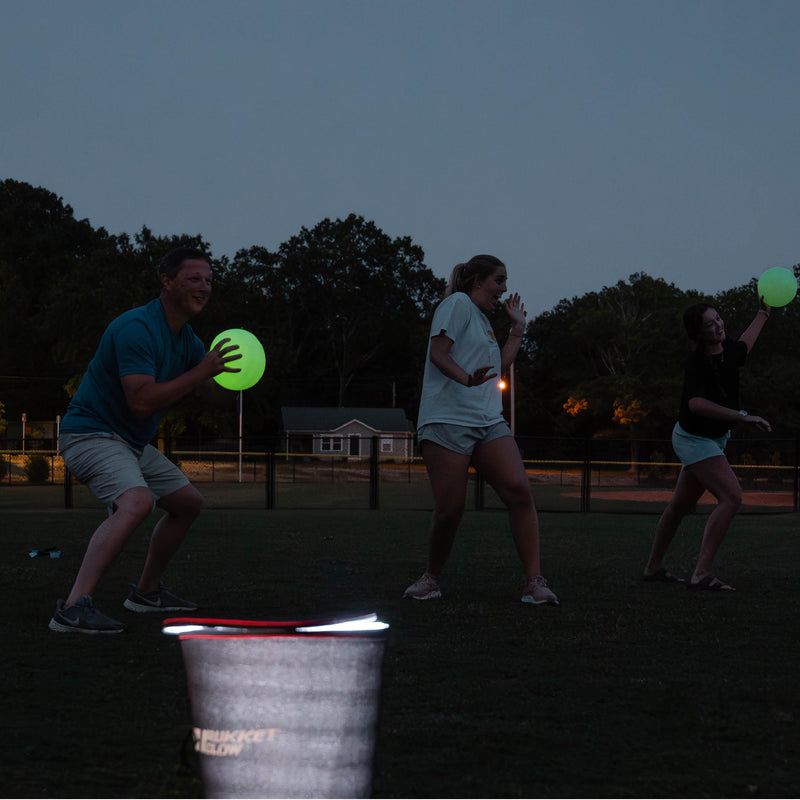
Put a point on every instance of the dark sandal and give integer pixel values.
(662, 576)
(712, 584)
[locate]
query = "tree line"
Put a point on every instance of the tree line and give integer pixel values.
(343, 311)
(611, 362)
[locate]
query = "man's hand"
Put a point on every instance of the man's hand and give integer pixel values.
(219, 357)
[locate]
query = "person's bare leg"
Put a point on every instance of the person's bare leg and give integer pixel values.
(182, 507)
(130, 509)
(447, 472)
(720, 480)
(500, 463)
(688, 490)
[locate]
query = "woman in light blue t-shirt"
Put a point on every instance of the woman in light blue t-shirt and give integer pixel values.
(461, 423)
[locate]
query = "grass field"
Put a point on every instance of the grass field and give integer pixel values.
(626, 689)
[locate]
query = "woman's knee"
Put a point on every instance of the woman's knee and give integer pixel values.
(515, 493)
(677, 508)
(732, 498)
(728, 493)
(447, 514)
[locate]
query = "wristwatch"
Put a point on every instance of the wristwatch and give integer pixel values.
(743, 413)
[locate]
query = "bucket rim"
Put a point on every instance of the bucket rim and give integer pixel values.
(356, 626)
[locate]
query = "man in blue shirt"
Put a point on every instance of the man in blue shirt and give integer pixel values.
(148, 359)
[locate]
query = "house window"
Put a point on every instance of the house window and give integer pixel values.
(330, 444)
(386, 445)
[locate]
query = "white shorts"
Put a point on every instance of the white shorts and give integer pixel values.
(461, 438)
(109, 466)
(691, 448)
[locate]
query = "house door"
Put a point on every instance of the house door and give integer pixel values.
(355, 445)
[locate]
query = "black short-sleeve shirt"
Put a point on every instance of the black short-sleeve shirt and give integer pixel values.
(715, 378)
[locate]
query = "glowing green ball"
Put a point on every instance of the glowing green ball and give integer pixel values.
(251, 364)
(777, 286)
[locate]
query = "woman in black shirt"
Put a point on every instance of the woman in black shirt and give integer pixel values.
(709, 406)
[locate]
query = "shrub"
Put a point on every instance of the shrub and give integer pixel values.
(37, 469)
(657, 469)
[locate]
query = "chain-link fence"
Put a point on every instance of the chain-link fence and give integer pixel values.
(613, 475)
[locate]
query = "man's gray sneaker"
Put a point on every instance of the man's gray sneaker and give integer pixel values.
(83, 617)
(159, 600)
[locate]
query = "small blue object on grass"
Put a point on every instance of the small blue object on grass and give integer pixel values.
(52, 552)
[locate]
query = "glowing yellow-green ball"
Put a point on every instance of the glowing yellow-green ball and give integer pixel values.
(251, 364)
(777, 286)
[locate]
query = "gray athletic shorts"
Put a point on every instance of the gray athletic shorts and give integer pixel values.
(461, 438)
(109, 466)
(691, 449)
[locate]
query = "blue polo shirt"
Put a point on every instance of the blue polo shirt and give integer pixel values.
(138, 342)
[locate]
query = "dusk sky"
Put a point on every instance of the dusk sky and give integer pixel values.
(580, 141)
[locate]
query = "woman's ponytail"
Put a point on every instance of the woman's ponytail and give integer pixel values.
(464, 275)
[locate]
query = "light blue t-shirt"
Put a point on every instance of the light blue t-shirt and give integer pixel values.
(474, 345)
(138, 342)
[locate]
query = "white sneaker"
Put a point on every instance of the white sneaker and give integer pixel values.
(426, 588)
(537, 592)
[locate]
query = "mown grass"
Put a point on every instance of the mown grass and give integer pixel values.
(626, 689)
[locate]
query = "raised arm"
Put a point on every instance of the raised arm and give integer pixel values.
(515, 309)
(754, 328)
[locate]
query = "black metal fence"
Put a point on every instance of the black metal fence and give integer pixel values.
(577, 475)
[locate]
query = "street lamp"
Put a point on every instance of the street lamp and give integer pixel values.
(512, 413)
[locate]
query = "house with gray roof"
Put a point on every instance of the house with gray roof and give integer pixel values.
(347, 432)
